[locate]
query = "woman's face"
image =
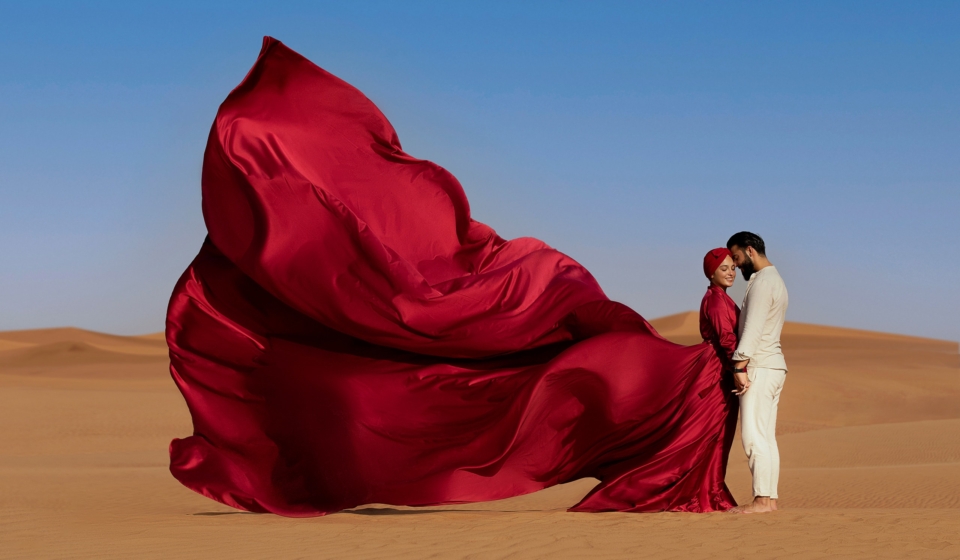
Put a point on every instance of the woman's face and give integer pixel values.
(726, 273)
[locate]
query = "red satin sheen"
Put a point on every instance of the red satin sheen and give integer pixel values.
(349, 335)
(719, 318)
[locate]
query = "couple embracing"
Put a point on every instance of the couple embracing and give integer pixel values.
(747, 341)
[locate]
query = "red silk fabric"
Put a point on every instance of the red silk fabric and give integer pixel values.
(719, 319)
(349, 335)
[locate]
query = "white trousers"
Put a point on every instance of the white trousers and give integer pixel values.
(758, 428)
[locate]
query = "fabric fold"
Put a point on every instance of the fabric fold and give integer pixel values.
(348, 334)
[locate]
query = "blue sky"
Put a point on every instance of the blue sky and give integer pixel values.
(633, 136)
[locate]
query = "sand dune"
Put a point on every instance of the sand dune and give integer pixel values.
(135, 344)
(76, 353)
(66, 346)
(72, 353)
(870, 442)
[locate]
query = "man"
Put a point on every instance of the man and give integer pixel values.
(760, 368)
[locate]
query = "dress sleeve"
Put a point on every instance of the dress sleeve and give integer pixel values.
(724, 325)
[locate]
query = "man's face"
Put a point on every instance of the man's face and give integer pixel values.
(743, 258)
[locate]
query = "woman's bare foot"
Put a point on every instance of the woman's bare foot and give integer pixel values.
(759, 504)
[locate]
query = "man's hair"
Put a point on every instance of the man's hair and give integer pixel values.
(746, 239)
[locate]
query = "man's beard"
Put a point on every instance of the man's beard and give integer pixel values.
(747, 268)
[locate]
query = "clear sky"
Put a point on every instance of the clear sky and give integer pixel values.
(633, 136)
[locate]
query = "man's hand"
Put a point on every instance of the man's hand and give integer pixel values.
(740, 379)
(742, 383)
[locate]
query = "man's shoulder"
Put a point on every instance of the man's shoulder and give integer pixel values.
(766, 283)
(773, 284)
(770, 275)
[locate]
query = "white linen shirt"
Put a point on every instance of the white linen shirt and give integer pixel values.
(761, 321)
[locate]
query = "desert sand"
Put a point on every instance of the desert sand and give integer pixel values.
(869, 436)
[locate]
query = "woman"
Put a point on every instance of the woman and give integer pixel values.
(719, 317)
(348, 334)
(718, 313)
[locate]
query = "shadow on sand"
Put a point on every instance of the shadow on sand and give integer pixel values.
(385, 511)
(394, 511)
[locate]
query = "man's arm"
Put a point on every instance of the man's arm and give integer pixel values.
(759, 302)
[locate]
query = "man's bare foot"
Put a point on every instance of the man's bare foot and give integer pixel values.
(758, 505)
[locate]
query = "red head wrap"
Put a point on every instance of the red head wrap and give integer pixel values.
(713, 259)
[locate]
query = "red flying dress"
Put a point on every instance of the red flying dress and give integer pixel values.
(349, 335)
